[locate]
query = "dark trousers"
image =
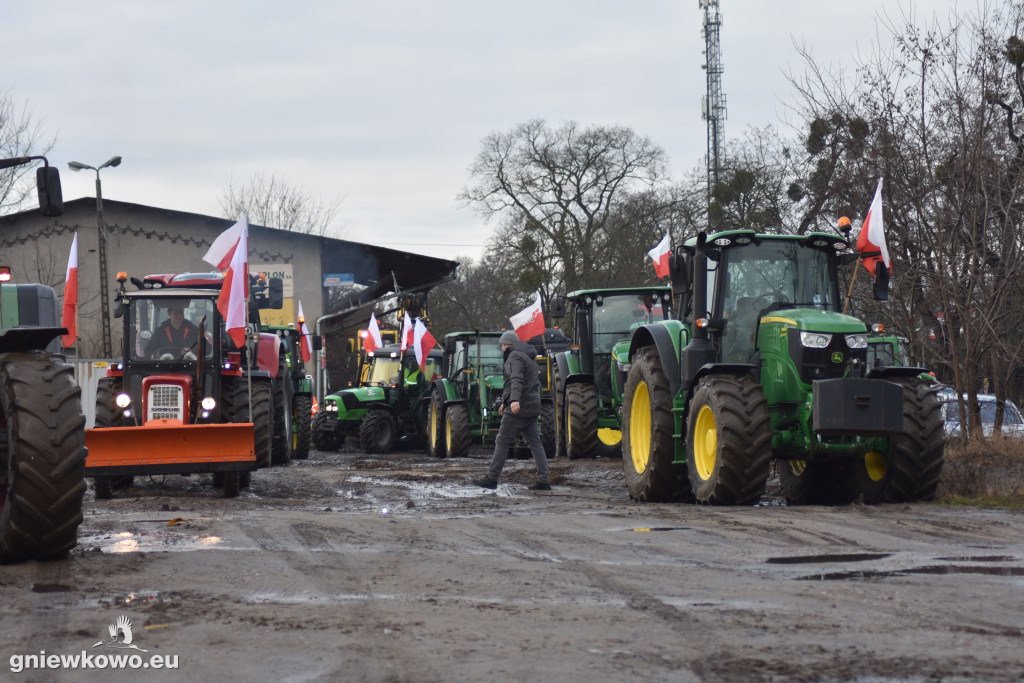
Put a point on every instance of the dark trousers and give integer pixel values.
(511, 427)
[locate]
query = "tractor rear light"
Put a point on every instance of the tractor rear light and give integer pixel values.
(209, 403)
(123, 400)
(815, 340)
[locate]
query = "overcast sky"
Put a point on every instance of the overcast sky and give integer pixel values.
(384, 104)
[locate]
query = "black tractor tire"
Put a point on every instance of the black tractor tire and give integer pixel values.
(43, 457)
(436, 447)
(911, 469)
(456, 431)
(378, 432)
(558, 395)
(610, 448)
(648, 449)
(547, 428)
(235, 399)
(281, 419)
(325, 436)
(728, 440)
(109, 415)
(819, 482)
(302, 417)
(581, 420)
(232, 484)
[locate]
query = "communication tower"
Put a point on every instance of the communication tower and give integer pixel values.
(713, 102)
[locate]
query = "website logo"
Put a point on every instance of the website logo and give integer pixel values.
(120, 635)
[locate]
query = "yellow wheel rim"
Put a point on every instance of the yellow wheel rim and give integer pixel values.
(609, 437)
(876, 464)
(705, 442)
(797, 467)
(640, 428)
(433, 424)
(448, 433)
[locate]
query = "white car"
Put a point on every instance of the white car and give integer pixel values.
(1013, 421)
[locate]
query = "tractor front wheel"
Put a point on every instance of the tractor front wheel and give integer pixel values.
(435, 425)
(456, 431)
(819, 482)
(559, 401)
(326, 436)
(302, 418)
(728, 440)
(109, 415)
(581, 420)
(377, 432)
(648, 449)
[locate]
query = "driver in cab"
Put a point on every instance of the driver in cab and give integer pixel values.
(174, 334)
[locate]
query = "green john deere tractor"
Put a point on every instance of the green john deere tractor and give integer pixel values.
(294, 390)
(763, 366)
(588, 378)
(388, 406)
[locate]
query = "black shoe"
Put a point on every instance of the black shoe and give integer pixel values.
(540, 486)
(486, 482)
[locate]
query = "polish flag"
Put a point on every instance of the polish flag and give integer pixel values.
(422, 342)
(70, 297)
(872, 235)
(372, 340)
(305, 349)
(529, 322)
(660, 256)
(235, 290)
(408, 332)
(223, 248)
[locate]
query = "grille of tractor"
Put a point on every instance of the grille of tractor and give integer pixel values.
(830, 362)
(166, 402)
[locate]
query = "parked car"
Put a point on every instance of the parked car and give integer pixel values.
(1013, 421)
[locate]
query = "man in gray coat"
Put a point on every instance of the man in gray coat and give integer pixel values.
(520, 408)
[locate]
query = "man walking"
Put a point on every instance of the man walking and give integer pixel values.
(520, 407)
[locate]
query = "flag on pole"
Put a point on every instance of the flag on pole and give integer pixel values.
(407, 332)
(422, 342)
(233, 293)
(68, 317)
(529, 322)
(372, 340)
(223, 248)
(871, 240)
(660, 256)
(305, 349)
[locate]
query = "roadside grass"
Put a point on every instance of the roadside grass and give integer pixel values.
(984, 473)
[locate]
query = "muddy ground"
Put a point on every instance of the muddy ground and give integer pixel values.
(347, 567)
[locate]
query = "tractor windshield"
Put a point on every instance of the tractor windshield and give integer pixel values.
(616, 315)
(769, 274)
(167, 329)
(384, 371)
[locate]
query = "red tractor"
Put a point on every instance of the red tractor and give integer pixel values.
(184, 399)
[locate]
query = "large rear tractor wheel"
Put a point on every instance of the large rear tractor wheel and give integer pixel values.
(911, 468)
(581, 420)
(547, 428)
(302, 419)
(456, 431)
(377, 432)
(42, 457)
(435, 426)
(558, 395)
(819, 482)
(109, 415)
(648, 448)
(281, 417)
(729, 440)
(236, 409)
(326, 436)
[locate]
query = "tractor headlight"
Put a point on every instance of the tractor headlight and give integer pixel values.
(209, 403)
(857, 341)
(123, 400)
(815, 340)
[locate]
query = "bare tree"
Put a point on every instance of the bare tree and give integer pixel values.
(275, 204)
(20, 135)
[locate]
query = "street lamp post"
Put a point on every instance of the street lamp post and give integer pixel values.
(101, 231)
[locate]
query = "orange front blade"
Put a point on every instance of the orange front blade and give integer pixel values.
(169, 445)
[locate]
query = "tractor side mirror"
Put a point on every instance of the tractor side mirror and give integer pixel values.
(557, 306)
(317, 341)
(880, 286)
(51, 200)
(679, 273)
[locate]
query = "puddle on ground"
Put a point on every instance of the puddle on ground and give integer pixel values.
(431, 490)
(935, 569)
(834, 557)
(150, 541)
(659, 528)
(979, 558)
(52, 588)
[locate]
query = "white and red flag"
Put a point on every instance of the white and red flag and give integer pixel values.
(68, 315)
(422, 342)
(407, 332)
(372, 340)
(871, 240)
(235, 290)
(223, 248)
(305, 348)
(529, 322)
(659, 255)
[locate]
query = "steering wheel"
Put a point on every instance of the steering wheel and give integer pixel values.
(170, 353)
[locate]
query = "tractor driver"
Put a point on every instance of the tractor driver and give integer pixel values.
(175, 334)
